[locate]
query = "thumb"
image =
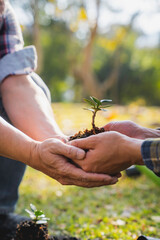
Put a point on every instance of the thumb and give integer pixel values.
(84, 143)
(108, 127)
(70, 151)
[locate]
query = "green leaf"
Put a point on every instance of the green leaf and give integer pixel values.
(45, 219)
(33, 208)
(89, 101)
(31, 214)
(97, 101)
(38, 213)
(105, 100)
(41, 216)
(41, 222)
(89, 109)
(104, 110)
(98, 109)
(106, 106)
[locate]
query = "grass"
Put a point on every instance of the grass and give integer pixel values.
(123, 211)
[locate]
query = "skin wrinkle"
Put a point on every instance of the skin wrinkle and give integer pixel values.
(111, 152)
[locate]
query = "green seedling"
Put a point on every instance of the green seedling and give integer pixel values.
(37, 215)
(95, 106)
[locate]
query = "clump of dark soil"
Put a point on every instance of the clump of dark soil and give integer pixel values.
(87, 133)
(29, 230)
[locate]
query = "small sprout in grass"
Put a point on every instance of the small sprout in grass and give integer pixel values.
(95, 106)
(37, 215)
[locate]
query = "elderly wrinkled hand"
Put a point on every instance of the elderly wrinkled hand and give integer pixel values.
(52, 158)
(132, 129)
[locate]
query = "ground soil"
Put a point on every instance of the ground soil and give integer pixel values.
(29, 230)
(86, 133)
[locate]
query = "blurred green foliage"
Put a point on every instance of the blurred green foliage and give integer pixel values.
(56, 42)
(62, 49)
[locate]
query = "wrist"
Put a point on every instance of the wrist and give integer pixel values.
(33, 156)
(137, 156)
(134, 151)
(150, 133)
(44, 135)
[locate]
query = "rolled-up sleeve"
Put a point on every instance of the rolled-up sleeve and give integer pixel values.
(20, 62)
(14, 58)
(150, 150)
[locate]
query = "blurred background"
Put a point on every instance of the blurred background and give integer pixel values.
(104, 48)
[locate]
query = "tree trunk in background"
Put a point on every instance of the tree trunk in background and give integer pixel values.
(37, 34)
(85, 73)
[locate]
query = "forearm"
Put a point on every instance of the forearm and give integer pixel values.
(28, 107)
(14, 144)
(132, 129)
(150, 133)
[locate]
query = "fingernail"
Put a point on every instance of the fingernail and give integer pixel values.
(80, 154)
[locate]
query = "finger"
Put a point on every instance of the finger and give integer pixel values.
(69, 151)
(88, 184)
(108, 127)
(118, 175)
(72, 173)
(85, 143)
(63, 138)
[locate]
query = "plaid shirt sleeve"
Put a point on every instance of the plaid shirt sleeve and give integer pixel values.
(151, 154)
(14, 58)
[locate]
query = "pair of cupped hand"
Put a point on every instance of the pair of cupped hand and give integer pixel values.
(96, 160)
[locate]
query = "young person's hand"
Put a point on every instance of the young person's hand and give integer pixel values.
(52, 158)
(109, 152)
(132, 129)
